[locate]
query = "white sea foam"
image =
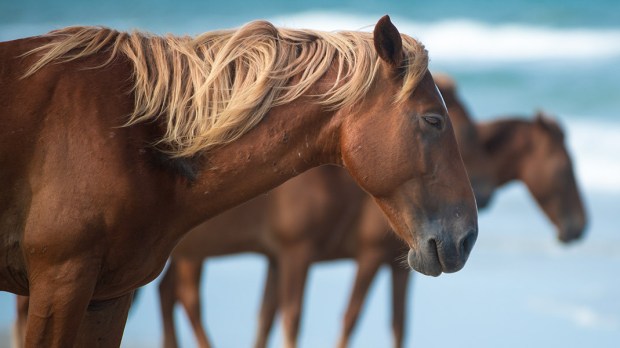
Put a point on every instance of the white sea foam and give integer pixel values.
(448, 41)
(596, 153)
(460, 40)
(579, 314)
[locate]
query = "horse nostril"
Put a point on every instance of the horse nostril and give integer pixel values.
(468, 242)
(432, 244)
(433, 248)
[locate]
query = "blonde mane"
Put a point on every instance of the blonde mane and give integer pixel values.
(213, 88)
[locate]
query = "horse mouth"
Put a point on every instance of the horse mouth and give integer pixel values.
(570, 232)
(428, 264)
(434, 260)
(569, 238)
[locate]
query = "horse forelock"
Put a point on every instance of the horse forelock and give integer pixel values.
(211, 89)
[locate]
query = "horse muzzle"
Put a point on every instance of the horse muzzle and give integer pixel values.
(439, 253)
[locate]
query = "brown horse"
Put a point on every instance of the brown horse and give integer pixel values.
(337, 221)
(533, 151)
(320, 215)
(114, 145)
(530, 151)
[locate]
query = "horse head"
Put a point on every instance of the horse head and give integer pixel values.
(548, 174)
(399, 145)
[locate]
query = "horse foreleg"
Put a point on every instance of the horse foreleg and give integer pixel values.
(59, 297)
(19, 330)
(367, 265)
(400, 281)
(167, 300)
(188, 292)
(269, 306)
(294, 263)
(103, 324)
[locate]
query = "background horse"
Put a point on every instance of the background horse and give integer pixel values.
(533, 151)
(321, 215)
(114, 145)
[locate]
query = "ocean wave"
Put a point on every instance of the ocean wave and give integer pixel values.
(594, 147)
(460, 40)
(448, 41)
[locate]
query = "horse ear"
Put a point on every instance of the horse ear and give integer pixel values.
(549, 123)
(540, 116)
(444, 82)
(543, 119)
(388, 43)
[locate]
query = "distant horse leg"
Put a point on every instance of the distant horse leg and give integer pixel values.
(269, 305)
(167, 300)
(188, 292)
(294, 263)
(19, 331)
(367, 265)
(400, 281)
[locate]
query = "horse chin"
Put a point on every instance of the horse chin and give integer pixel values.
(570, 230)
(569, 237)
(426, 264)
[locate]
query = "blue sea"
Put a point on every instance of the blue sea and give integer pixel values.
(520, 288)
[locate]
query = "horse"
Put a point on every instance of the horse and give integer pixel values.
(115, 144)
(337, 220)
(530, 150)
(315, 216)
(533, 151)
(295, 235)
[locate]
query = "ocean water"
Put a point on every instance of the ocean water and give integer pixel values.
(520, 287)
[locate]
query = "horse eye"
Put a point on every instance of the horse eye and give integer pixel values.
(433, 121)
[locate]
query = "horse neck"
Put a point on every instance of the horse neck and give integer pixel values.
(507, 147)
(288, 141)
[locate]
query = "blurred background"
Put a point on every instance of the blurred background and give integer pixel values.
(520, 287)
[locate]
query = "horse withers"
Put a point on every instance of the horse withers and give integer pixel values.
(114, 145)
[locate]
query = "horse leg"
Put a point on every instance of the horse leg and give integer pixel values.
(400, 281)
(269, 305)
(294, 263)
(167, 300)
(188, 292)
(59, 297)
(19, 331)
(367, 265)
(104, 322)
